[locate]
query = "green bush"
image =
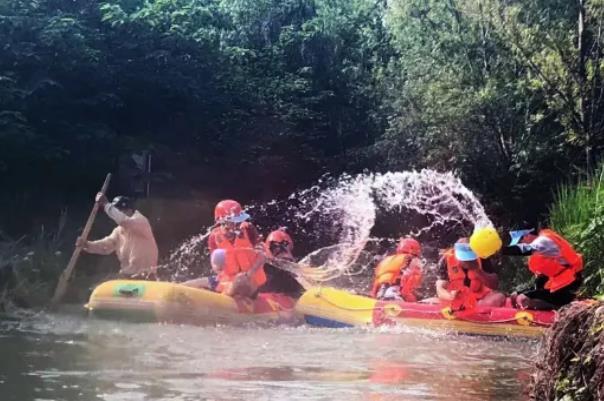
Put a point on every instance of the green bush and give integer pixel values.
(578, 214)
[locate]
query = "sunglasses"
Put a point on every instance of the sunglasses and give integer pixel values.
(281, 245)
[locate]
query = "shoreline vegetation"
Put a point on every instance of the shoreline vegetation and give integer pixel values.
(570, 364)
(507, 95)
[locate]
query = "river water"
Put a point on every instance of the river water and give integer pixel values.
(67, 356)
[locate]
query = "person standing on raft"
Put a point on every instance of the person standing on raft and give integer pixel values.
(132, 240)
(398, 276)
(556, 265)
(464, 279)
(244, 264)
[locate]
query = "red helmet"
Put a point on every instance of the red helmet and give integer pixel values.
(280, 236)
(229, 210)
(410, 246)
(279, 244)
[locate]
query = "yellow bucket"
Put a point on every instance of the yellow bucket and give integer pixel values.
(485, 242)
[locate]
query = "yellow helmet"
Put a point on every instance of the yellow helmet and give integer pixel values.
(485, 242)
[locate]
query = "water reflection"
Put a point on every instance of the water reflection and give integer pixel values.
(71, 358)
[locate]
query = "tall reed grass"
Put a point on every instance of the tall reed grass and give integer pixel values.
(29, 266)
(578, 214)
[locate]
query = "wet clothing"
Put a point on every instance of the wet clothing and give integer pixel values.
(241, 256)
(556, 265)
(132, 241)
(247, 229)
(397, 273)
(551, 256)
(441, 269)
(558, 298)
(281, 281)
(449, 269)
(561, 269)
(544, 245)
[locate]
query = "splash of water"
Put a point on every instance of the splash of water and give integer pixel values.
(189, 257)
(336, 217)
(342, 213)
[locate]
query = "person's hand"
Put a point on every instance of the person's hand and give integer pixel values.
(522, 301)
(81, 243)
(101, 199)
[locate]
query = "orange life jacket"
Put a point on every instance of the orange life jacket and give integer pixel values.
(240, 257)
(410, 282)
(561, 271)
(457, 275)
(390, 271)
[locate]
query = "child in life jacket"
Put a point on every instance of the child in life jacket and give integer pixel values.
(217, 262)
(398, 276)
(244, 260)
(465, 279)
(239, 286)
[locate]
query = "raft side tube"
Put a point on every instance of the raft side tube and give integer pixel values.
(330, 307)
(171, 302)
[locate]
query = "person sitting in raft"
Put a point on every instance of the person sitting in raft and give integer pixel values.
(279, 248)
(217, 262)
(244, 256)
(132, 240)
(465, 278)
(279, 245)
(556, 265)
(231, 224)
(239, 286)
(398, 276)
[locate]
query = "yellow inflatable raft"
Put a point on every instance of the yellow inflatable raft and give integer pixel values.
(330, 307)
(170, 302)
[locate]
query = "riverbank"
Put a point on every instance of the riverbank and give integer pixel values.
(570, 365)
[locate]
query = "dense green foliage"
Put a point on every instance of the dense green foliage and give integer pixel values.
(578, 214)
(507, 93)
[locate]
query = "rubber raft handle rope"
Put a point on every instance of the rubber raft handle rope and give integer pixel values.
(523, 318)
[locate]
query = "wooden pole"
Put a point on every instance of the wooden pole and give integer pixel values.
(66, 275)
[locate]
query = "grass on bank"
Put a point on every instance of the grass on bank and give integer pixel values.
(29, 266)
(578, 214)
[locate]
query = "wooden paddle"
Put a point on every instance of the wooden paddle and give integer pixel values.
(66, 275)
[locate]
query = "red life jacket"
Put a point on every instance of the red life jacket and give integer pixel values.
(240, 257)
(457, 275)
(560, 271)
(390, 271)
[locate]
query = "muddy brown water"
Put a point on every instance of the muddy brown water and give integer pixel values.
(67, 356)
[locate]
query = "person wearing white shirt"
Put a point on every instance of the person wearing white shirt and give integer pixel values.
(132, 240)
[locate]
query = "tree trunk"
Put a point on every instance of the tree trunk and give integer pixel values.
(582, 49)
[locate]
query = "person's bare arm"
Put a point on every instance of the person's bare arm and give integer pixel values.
(260, 260)
(104, 246)
(443, 293)
(442, 282)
